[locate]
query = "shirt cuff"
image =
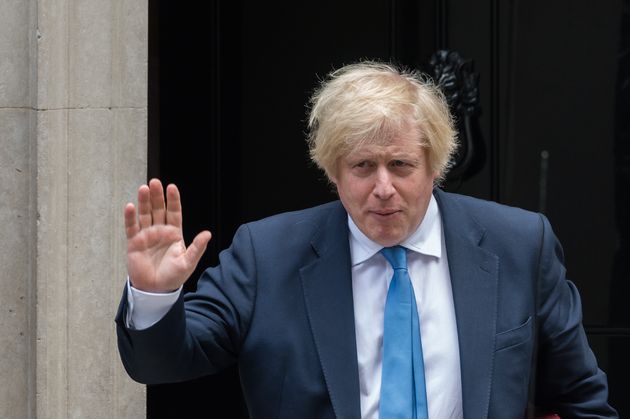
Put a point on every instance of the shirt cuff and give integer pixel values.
(144, 309)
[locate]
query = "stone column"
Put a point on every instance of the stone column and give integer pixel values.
(73, 118)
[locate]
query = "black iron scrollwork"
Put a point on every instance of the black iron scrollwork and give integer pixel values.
(460, 84)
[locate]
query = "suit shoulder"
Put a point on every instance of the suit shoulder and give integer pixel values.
(492, 215)
(305, 219)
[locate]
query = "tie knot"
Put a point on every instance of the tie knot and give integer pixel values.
(396, 256)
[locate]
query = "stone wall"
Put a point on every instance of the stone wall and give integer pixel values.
(73, 118)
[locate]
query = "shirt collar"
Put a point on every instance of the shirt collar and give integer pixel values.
(427, 239)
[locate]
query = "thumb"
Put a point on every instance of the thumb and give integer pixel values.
(197, 248)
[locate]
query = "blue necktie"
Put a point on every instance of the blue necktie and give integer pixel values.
(403, 391)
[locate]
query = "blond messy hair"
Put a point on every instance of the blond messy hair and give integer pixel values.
(367, 102)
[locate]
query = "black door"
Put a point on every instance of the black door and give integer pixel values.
(229, 82)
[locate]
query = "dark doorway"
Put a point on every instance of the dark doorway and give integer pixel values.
(229, 82)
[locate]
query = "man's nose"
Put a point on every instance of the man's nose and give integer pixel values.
(383, 186)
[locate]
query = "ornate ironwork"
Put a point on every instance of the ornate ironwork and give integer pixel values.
(460, 84)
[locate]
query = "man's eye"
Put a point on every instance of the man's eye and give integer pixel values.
(361, 164)
(399, 163)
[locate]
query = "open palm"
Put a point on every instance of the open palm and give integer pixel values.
(157, 257)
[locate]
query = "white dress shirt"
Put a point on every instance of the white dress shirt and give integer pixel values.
(371, 274)
(428, 268)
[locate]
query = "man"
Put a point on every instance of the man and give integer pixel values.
(310, 304)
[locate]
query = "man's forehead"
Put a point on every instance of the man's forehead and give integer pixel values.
(395, 149)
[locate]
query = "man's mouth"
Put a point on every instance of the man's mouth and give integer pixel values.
(385, 212)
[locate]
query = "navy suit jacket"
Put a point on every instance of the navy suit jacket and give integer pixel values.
(280, 305)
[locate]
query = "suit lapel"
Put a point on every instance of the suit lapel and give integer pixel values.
(474, 278)
(327, 289)
(327, 285)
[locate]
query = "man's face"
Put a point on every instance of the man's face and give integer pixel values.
(386, 189)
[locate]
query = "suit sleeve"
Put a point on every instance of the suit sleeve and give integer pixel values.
(202, 333)
(569, 381)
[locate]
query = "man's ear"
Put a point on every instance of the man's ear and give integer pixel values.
(332, 178)
(436, 176)
(332, 182)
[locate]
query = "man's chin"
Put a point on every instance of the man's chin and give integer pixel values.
(388, 239)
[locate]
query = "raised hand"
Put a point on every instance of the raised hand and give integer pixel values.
(157, 257)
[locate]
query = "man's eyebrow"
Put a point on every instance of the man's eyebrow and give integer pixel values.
(363, 155)
(404, 155)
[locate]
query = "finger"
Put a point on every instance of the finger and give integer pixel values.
(158, 211)
(131, 221)
(173, 206)
(197, 247)
(144, 207)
